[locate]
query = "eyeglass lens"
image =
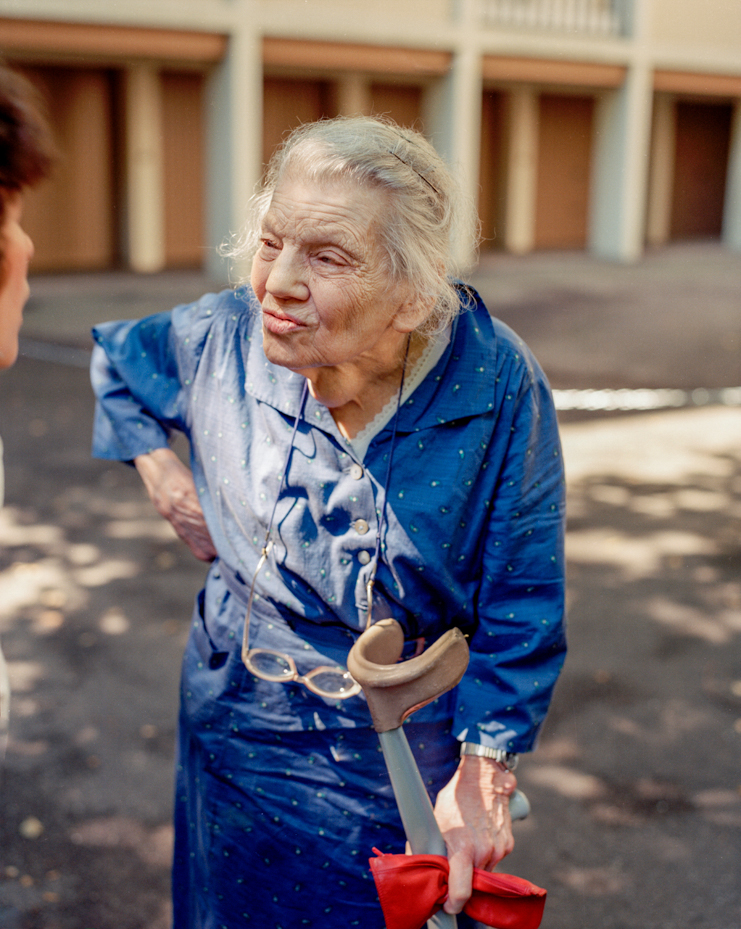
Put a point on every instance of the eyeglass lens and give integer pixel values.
(335, 683)
(270, 666)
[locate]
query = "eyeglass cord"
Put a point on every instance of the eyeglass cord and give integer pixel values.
(382, 522)
(267, 544)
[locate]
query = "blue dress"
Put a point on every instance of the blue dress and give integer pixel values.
(281, 794)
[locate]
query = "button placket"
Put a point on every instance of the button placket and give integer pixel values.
(361, 526)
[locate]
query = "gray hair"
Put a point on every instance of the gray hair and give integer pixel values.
(428, 210)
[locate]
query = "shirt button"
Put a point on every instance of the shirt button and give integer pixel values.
(364, 557)
(361, 526)
(356, 472)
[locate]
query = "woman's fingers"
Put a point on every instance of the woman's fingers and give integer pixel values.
(197, 538)
(470, 848)
(459, 880)
(172, 490)
(472, 811)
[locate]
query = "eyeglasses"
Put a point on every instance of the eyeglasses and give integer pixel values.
(331, 682)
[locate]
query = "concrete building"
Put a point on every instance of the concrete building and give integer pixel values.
(599, 124)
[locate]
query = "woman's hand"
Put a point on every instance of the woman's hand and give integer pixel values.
(472, 811)
(172, 490)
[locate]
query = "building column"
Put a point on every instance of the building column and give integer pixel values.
(732, 206)
(523, 117)
(233, 147)
(452, 117)
(661, 178)
(619, 180)
(144, 235)
(353, 95)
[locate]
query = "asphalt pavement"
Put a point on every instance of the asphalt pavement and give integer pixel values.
(636, 784)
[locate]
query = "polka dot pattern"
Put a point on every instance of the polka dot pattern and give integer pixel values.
(474, 538)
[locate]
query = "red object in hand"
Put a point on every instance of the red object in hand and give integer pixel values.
(412, 888)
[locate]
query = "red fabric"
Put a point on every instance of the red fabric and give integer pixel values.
(412, 888)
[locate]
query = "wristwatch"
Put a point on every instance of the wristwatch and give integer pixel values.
(508, 759)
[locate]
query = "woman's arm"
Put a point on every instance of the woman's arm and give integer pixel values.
(518, 648)
(138, 387)
(172, 490)
(138, 373)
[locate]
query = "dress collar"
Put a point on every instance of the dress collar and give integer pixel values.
(461, 384)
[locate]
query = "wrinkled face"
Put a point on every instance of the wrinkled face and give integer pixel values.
(321, 275)
(16, 250)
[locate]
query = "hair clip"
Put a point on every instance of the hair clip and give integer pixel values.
(429, 183)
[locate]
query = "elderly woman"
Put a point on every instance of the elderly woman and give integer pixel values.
(356, 421)
(25, 158)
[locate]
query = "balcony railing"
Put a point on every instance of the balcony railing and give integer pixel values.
(584, 17)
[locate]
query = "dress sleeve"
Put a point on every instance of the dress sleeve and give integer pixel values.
(518, 649)
(141, 371)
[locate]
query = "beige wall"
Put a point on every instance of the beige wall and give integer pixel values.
(701, 24)
(421, 11)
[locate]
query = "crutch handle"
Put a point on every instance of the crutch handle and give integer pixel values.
(393, 689)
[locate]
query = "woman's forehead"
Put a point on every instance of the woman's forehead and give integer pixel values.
(309, 207)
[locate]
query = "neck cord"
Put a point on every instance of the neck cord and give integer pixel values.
(268, 543)
(382, 521)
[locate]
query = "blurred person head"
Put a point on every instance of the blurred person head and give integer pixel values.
(26, 153)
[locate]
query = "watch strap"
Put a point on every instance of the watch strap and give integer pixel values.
(501, 755)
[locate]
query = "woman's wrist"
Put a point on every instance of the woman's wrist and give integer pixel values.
(508, 760)
(155, 454)
(489, 777)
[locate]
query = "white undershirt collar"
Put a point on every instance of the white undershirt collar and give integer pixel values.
(430, 356)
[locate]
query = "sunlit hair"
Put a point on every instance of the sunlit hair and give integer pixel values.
(428, 213)
(26, 147)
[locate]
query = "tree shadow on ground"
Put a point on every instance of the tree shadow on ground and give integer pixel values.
(95, 597)
(636, 785)
(636, 812)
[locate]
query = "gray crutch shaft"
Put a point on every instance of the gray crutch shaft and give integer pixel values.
(415, 809)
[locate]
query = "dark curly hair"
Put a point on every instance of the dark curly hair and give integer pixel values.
(26, 146)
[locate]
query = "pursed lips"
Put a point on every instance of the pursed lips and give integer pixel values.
(279, 323)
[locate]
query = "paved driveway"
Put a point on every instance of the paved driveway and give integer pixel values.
(636, 785)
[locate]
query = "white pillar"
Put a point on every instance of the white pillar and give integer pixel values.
(732, 206)
(661, 178)
(452, 116)
(523, 119)
(353, 95)
(619, 180)
(234, 145)
(144, 234)
(621, 147)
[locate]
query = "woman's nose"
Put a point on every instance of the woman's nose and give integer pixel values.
(287, 276)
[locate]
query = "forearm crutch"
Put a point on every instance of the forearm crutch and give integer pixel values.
(394, 690)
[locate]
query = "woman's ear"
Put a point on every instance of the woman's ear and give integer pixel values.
(412, 312)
